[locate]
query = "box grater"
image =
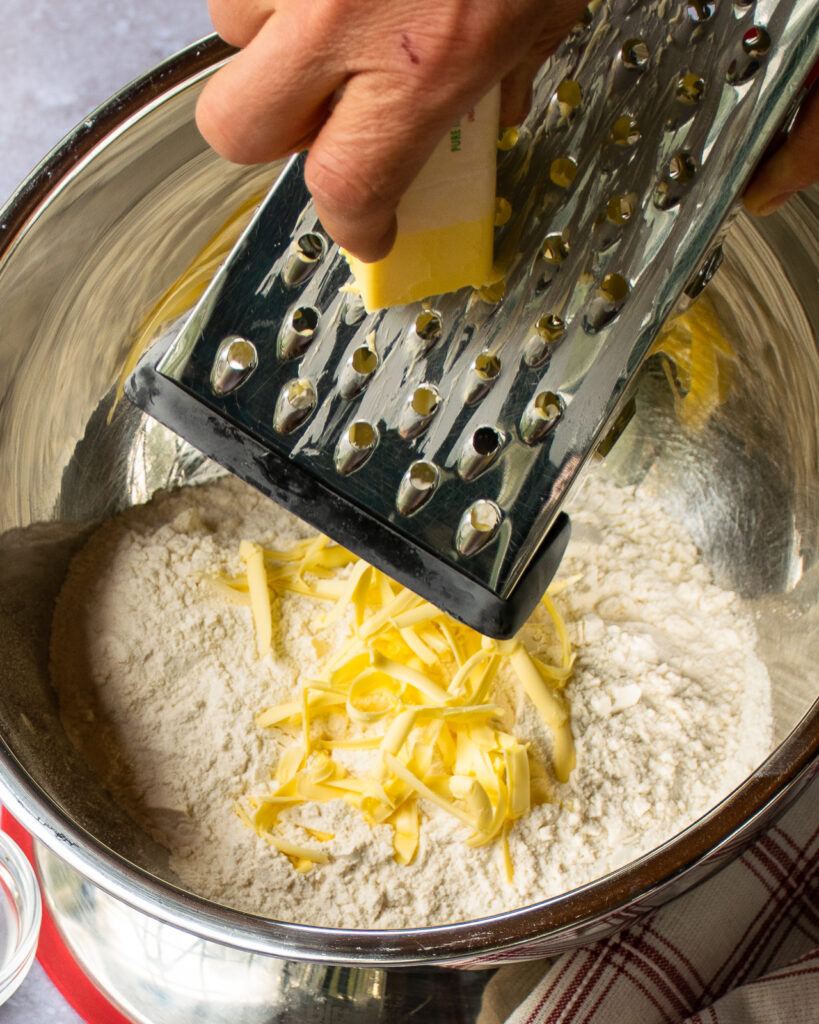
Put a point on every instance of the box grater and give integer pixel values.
(440, 440)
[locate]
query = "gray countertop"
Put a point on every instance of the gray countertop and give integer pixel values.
(59, 59)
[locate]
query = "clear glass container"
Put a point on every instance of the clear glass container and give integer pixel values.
(20, 915)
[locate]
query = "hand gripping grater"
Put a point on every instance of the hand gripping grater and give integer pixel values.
(440, 440)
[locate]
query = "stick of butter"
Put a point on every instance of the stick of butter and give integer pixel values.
(445, 219)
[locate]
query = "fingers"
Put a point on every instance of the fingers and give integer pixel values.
(791, 168)
(272, 97)
(516, 92)
(238, 23)
(370, 149)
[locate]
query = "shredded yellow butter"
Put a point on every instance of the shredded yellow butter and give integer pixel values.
(424, 682)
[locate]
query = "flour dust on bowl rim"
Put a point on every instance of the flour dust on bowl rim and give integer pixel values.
(91, 245)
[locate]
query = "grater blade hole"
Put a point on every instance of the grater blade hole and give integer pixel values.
(551, 327)
(355, 376)
(307, 253)
(486, 441)
(569, 97)
(756, 42)
(417, 486)
(606, 303)
(555, 248)
(295, 404)
(311, 247)
(548, 331)
(680, 172)
(479, 452)
(487, 366)
(508, 138)
(563, 171)
(701, 10)
(625, 131)
(478, 525)
(364, 360)
(540, 417)
(690, 88)
(503, 211)
(614, 287)
(235, 361)
(425, 400)
(419, 410)
(428, 326)
(361, 435)
(620, 209)
(304, 321)
(355, 446)
(635, 54)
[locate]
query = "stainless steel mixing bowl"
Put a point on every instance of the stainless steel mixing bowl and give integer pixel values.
(88, 248)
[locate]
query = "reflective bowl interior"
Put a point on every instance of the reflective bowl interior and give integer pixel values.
(83, 278)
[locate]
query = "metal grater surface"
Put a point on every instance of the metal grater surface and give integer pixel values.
(439, 440)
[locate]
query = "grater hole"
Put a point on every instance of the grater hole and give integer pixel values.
(304, 321)
(690, 88)
(540, 416)
(508, 138)
(569, 97)
(625, 131)
(503, 211)
(235, 361)
(417, 486)
(425, 400)
(620, 209)
(311, 247)
(551, 328)
(563, 171)
(484, 516)
(756, 42)
(614, 287)
(487, 366)
(428, 326)
(478, 525)
(479, 452)
(547, 406)
(305, 256)
(355, 446)
(555, 248)
(548, 331)
(297, 400)
(680, 172)
(700, 10)
(423, 475)
(635, 54)
(755, 45)
(361, 435)
(364, 360)
(681, 167)
(606, 303)
(418, 410)
(486, 441)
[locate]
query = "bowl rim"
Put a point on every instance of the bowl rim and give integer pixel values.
(723, 830)
(29, 909)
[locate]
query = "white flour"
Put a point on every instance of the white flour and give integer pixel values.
(159, 684)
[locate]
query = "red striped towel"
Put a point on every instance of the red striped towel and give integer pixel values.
(743, 948)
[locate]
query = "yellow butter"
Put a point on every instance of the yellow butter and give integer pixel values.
(446, 219)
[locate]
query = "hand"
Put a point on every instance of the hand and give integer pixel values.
(793, 167)
(369, 86)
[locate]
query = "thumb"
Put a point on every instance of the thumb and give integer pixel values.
(363, 159)
(791, 168)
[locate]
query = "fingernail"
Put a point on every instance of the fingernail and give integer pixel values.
(775, 203)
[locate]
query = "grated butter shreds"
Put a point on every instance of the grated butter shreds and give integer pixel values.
(423, 678)
(159, 683)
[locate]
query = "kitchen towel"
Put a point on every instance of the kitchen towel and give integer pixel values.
(743, 948)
